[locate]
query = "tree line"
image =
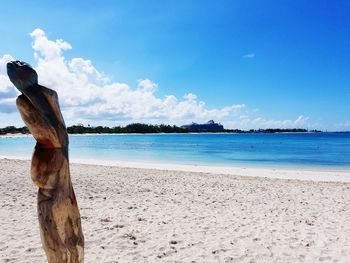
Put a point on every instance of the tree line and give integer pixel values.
(142, 128)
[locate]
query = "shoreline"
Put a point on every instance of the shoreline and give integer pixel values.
(172, 133)
(310, 174)
(287, 173)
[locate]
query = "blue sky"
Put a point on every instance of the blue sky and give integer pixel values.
(247, 64)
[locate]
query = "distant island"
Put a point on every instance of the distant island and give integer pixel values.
(142, 128)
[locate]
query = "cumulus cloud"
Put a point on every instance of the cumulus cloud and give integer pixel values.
(5, 84)
(47, 49)
(147, 85)
(249, 122)
(85, 93)
(7, 92)
(88, 96)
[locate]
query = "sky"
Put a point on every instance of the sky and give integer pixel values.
(247, 64)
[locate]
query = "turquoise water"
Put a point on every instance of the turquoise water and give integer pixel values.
(328, 150)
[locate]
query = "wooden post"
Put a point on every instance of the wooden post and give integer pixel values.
(58, 212)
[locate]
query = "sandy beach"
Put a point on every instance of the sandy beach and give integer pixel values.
(155, 215)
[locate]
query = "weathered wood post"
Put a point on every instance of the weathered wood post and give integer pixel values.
(58, 212)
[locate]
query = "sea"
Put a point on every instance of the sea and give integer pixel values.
(329, 150)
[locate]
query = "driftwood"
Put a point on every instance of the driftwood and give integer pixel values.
(58, 212)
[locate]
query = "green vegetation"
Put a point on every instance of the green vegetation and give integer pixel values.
(13, 130)
(142, 128)
(131, 128)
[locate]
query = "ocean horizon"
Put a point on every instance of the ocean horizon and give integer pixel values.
(328, 150)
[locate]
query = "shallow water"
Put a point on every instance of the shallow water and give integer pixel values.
(327, 150)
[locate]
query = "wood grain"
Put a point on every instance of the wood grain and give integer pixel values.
(58, 212)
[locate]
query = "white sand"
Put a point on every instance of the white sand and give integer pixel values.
(144, 215)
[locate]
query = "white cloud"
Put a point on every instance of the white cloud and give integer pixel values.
(250, 55)
(88, 96)
(5, 84)
(248, 122)
(147, 85)
(46, 48)
(301, 121)
(7, 92)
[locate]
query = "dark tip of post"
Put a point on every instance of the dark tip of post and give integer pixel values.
(10, 69)
(17, 64)
(10, 66)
